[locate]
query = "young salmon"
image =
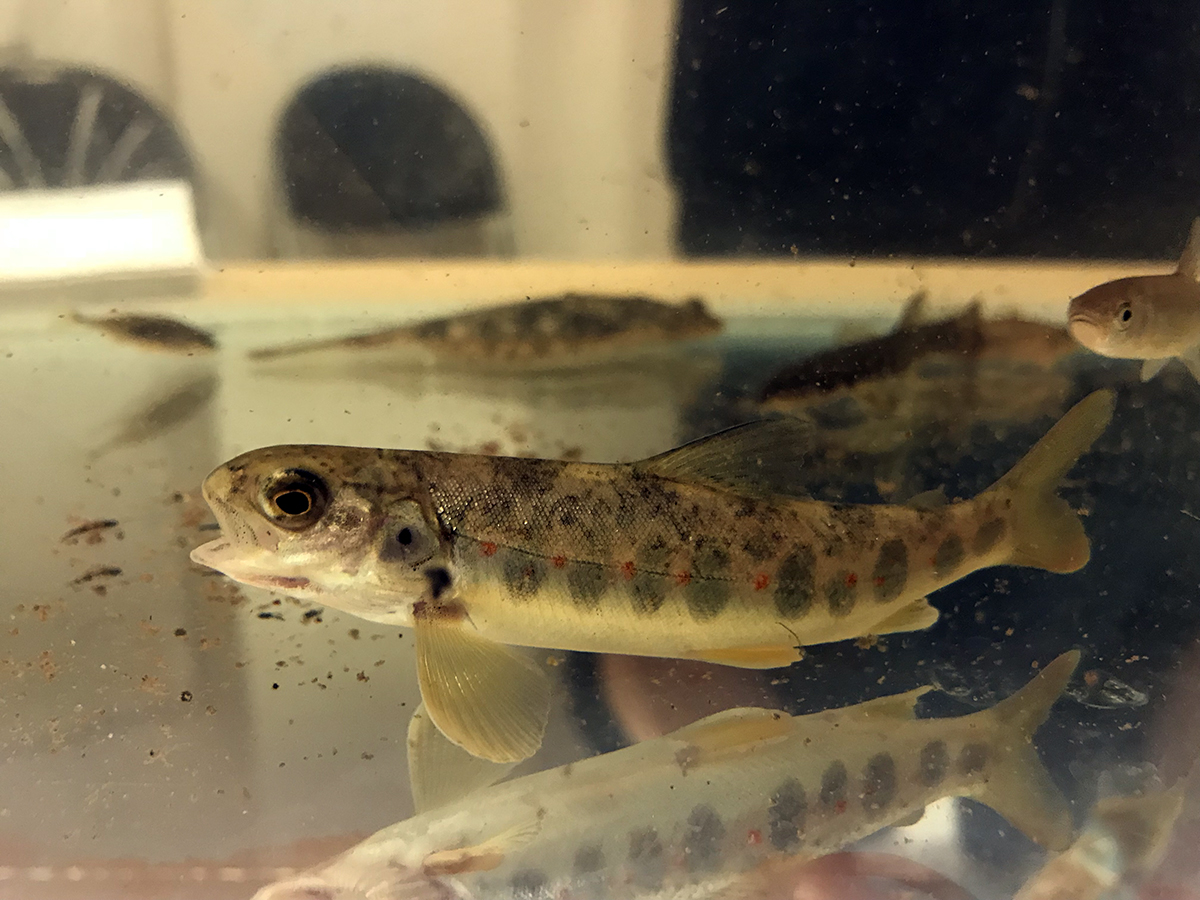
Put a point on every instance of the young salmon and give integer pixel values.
(721, 808)
(153, 332)
(1155, 318)
(680, 555)
(544, 332)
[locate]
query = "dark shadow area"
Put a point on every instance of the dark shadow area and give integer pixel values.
(1061, 129)
(373, 147)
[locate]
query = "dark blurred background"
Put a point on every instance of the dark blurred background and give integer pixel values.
(1066, 128)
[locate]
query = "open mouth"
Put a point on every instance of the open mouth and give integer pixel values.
(1086, 330)
(224, 557)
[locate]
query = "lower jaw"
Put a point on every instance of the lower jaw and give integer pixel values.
(282, 583)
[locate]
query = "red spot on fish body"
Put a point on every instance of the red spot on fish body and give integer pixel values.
(683, 578)
(487, 548)
(761, 580)
(851, 579)
(839, 807)
(879, 580)
(559, 561)
(753, 837)
(932, 562)
(628, 569)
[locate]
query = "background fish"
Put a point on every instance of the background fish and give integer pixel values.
(1151, 317)
(683, 555)
(720, 808)
(153, 332)
(544, 332)
(878, 357)
(162, 413)
(1125, 838)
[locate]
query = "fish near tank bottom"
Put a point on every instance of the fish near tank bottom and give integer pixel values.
(276, 731)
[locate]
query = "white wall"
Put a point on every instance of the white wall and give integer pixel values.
(572, 96)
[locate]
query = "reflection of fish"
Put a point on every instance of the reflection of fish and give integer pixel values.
(1124, 840)
(683, 554)
(153, 332)
(877, 357)
(1151, 317)
(554, 331)
(719, 808)
(163, 414)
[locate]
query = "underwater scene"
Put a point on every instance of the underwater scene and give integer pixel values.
(592, 596)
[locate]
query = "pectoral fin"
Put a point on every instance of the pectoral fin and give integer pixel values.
(482, 857)
(916, 616)
(1152, 367)
(1191, 359)
(440, 772)
(485, 697)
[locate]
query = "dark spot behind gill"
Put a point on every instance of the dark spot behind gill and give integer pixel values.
(439, 581)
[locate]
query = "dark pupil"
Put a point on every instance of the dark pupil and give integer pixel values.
(293, 503)
(1126, 314)
(405, 537)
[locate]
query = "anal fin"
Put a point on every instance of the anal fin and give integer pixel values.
(485, 697)
(758, 656)
(440, 772)
(916, 616)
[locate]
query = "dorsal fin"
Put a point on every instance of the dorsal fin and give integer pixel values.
(756, 459)
(913, 312)
(1189, 261)
(895, 706)
(928, 500)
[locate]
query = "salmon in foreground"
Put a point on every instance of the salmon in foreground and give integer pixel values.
(732, 806)
(687, 554)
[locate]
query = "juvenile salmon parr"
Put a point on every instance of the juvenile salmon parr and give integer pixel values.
(680, 555)
(1155, 318)
(724, 808)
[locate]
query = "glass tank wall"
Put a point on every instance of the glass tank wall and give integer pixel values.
(513, 253)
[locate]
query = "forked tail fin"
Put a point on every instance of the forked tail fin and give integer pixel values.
(1017, 785)
(1047, 533)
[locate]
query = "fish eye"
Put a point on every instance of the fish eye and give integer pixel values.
(405, 537)
(295, 498)
(1124, 314)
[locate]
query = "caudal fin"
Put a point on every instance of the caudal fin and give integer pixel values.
(1016, 783)
(1047, 533)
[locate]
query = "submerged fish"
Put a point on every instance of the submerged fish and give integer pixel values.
(680, 555)
(878, 357)
(1124, 840)
(1155, 318)
(162, 413)
(153, 332)
(720, 808)
(536, 332)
